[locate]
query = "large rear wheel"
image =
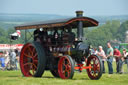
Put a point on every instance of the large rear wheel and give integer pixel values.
(95, 72)
(32, 60)
(66, 67)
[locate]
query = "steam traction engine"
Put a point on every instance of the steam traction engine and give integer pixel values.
(58, 49)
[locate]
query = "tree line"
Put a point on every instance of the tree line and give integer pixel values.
(111, 30)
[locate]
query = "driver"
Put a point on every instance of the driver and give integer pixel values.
(36, 34)
(40, 35)
(43, 34)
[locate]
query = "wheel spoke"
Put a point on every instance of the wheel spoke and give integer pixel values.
(35, 55)
(64, 73)
(94, 61)
(35, 66)
(33, 70)
(68, 73)
(30, 50)
(36, 61)
(33, 51)
(27, 55)
(68, 67)
(98, 67)
(27, 64)
(64, 64)
(68, 70)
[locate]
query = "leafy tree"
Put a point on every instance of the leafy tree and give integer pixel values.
(102, 34)
(121, 31)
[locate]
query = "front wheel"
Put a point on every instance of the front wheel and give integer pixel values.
(66, 67)
(95, 72)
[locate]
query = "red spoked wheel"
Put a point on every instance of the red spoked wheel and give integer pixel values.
(32, 60)
(66, 67)
(95, 72)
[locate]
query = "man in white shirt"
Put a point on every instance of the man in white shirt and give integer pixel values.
(101, 53)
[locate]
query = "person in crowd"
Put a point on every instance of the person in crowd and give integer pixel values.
(17, 58)
(110, 58)
(13, 59)
(119, 61)
(125, 55)
(95, 51)
(2, 61)
(6, 54)
(101, 53)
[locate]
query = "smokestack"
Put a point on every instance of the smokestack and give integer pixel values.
(80, 26)
(79, 13)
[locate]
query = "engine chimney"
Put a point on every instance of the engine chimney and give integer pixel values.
(80, 26)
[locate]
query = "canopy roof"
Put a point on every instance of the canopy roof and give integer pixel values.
(51, 24)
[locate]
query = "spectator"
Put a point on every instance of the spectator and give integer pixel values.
(13, 59)
(6, 54)
(2, 61)
(101, 53)
(125, 55)
(95, 51)
(119, 62)
(110, 58)
(17, 57)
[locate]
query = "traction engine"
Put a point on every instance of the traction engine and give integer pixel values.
(61, 53)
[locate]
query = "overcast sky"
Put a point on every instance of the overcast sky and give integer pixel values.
(65, 7)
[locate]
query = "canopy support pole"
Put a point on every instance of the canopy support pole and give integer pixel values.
(25, 36)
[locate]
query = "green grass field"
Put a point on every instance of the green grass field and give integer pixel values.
(16, 78)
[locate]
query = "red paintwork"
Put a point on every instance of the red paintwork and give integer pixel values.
(81, 67)
(28, 60)
(64, 67)
(82, 19)
(95, 70)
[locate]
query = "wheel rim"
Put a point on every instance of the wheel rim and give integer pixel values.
(64, 67)
(94, 62)
(28, 60)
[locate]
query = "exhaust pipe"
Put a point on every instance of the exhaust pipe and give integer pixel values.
(80, 26)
